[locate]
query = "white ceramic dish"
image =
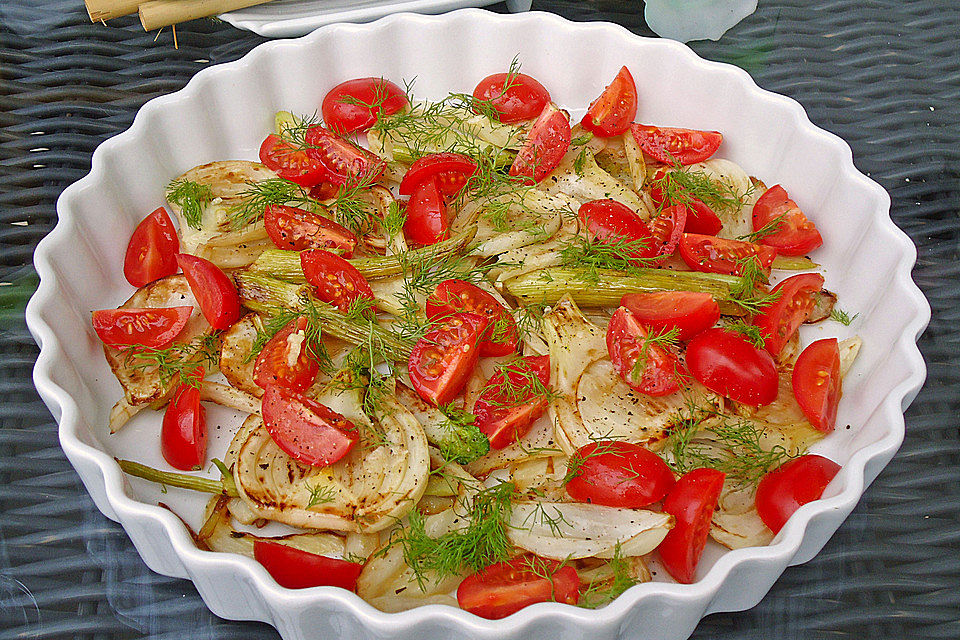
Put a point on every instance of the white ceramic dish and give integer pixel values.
(225, 111)
(292, 18)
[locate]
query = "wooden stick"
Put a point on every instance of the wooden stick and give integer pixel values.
(161, 13)
(106, 9)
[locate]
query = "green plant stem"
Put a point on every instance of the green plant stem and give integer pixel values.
(225, 486)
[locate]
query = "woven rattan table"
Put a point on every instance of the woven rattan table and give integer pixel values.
(882, 74)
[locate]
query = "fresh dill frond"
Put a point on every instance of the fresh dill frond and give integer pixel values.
(179, 359)
(320, 494)
(529, 319)
(843, 317)
(392, 223)
(663, 338)
(275, 191)
(280, 318)
(749, 291)
(749, 331)
(192, 197)
(579, 161)
(683, 185)
(462, 440)
(294, 131)
(603, 445)
(769, 229)
(621, 254)
(601, 592)
(514, 383)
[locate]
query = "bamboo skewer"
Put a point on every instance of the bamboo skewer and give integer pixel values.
(100, 10)
(161, 13)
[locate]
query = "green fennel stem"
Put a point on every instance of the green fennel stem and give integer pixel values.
(225, 486)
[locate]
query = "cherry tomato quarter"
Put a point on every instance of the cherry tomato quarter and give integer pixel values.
(817, 383)
(781, 319)
(152, 250)
(507, 587)
(356, 104)
(344, 161)
(618, 474)
(296, 229)
(642, 363)
(700, 218)
(614, 223)
(720, 255)
(688, 311)
(183, 432)
(308, 431)
(672, 145)
(727, 363)
(426, 214)
(291, 163)
(297, 569)
(450, 170)
(667, 230)
(154, 328)
(795, 234)
(214, 290)
(452, 296)
(544, 146)
(691, 502)
(512, 400)
(515, 96)
(286, 360)
(795, 483)
(334, 279)
(613, 112)
(445, 356)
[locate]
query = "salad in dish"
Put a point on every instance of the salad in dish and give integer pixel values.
(487, 357)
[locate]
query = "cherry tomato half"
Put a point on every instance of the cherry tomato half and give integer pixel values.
(152, 250)
(727, 363)
(445, 356)
(290, 162)
(285, 359)
(308, 431)
(613, 112)
(671, 145)
(213, 289)
(658, 373)
(817, 383)
(700, 218)
(667, 230)
(152, 327)
(511, 401)
(296, 229)
(183, 432)
(795, 483)
(515, 96)
(780, 320)
(544, 146)
(796, 235)
(690, 312)
(297, 569)
(426, 221)
(334, 279)
(612, 222)
(354, 105)
(507, 587)
(691, 502)
(344, 161)
(452, 296)
(619, 474)
(451, 171)
(720, 255)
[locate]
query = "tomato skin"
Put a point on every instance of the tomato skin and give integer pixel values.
(720, 255)
(523, 99)
(792, 485)
(691, 502)
(610, 222)
(334, 279)
(344, 161)
(667, 230)
(426, 221)
(662, 373)
(308, 431)
(152, 250)
(297, 569)
(620, 474)
(544, 146)
(296, 229)
(451, 170)
(690, 312)
(613, 112)
(505, 417)
(452, 296)
(672, 145)
(272, 365)
(291, 163)
(445, 356)
(342, 115)
(183, 432)
(780, 320)
(727, 363)
(153, 328)
(215, 292)
(507, 587)
(797, 235)
(700, 218)
(817, 383)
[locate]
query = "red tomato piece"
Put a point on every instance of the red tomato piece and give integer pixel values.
(720, 255)
(817, 383)
(152, 250)
(296, 569)
(153, 328)
(700, 218)
(452, 296)
(658, 373)
(426, 221)
(667, 230)
(344, 161)
(796, 234)
(285, 359)
(792, 485)
(544, 146)
(690, 312)
(451, 171)
(356, 104)
(691, 502)
(334, 279)
(515, 96)
(214, 290)
(296, 229)
(619, 474)
(291, 162)
(780, 320)
(612, 222)
(310, 432)
(511, 401)
(727, 363)
(672, 146)
(183, 432)
(613, 112)
(445, 356)
(507, 587)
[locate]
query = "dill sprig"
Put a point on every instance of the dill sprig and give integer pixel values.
(275, 191)
(320, 494)
(843, 317)
(682, 185)
(620, 254)
(192, 197)
(604, 445)
(294, 129)
(749, 331)
(769, 229)
(601, 592)
(179, 359)
(663, 338)
(514, 383)
(280, 318)
(748, 292)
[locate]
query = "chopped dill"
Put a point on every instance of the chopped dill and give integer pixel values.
(514, 383)
(843, 317)
(664, 338)
(179, 359)
(749, 331)
(749, 293)
(621, 254)
(769, 229)
(601, 592)
(320, 494)
(275, 191)
(192, 197)
(683, 185)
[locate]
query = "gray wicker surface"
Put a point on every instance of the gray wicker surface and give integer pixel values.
(882, 74)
